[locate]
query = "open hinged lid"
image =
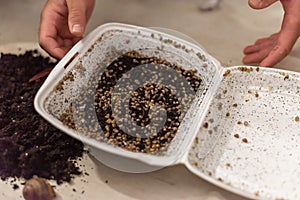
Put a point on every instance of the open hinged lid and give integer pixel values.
(253, 122)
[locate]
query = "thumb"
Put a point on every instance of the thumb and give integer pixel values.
(77, 17)
(260, 4)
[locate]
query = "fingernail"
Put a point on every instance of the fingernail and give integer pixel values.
(77, 28)
(256, 3)
(261, 3)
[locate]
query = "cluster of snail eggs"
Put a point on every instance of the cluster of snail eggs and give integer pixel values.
(130, 122)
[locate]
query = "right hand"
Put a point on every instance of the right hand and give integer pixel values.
(271, 50)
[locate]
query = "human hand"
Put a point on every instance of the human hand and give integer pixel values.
(271, 50)
(62, 24)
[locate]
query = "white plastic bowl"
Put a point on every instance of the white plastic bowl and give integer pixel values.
(92, 54)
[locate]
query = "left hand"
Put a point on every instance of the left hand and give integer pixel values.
(63, 24)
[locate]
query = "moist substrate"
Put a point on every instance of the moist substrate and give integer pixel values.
(143, 98)
(29, 145)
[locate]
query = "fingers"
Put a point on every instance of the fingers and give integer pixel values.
(56, 47)
(256, 53)
(47, 32)
(62, 24)
(260, 4)
(260, 49)
(267, 52)
(79, 13)
(275, 56)
(49, 46)
(77, 17)
(288, 35)
(260, 44)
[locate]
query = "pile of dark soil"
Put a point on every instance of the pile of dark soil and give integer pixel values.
(28, 144)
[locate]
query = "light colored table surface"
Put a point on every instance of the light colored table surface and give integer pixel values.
(223, 33)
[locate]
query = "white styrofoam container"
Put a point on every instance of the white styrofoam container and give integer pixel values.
(241, 131)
